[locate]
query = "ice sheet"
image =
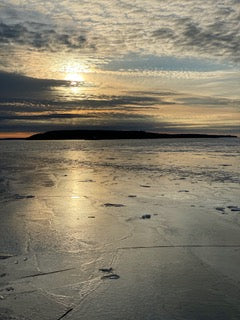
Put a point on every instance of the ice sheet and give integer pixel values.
(76, 244)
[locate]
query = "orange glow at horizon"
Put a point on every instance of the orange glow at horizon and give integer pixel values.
(17, 135)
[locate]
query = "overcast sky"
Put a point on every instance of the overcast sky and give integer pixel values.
(153, 65)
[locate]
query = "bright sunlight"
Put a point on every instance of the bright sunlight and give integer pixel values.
(74, 78)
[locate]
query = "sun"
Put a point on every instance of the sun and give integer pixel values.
(74, 78)
(74, 72)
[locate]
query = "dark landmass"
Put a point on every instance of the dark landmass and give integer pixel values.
(114, 135)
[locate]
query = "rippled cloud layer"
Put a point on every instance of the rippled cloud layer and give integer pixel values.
(104, 30)
(153, 65)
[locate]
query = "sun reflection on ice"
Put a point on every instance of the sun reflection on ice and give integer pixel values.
(75, 197)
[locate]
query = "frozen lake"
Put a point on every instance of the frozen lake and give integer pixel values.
(122, 229)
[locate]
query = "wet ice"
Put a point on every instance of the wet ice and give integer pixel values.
(70, 208)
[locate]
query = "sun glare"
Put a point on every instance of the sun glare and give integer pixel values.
(74, 78)
(74, 73)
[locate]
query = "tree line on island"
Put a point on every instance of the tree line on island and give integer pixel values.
(115, 135)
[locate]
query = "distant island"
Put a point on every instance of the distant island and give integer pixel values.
(114, 135)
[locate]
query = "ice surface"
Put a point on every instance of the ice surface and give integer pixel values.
(74, 243)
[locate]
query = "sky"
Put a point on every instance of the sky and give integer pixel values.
(162, 66)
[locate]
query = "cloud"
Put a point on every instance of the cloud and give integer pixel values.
(209, 101)
(164, 33)
(38, 105)
(136, 63)
(208, 29)
(40, 36)
(215, 39)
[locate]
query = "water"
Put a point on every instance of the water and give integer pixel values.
(74, 207)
